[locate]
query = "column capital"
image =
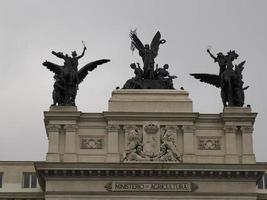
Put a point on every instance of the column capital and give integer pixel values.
(246, 129)
(113, 128)
(70, 127)
(53, 127)
(229, 129)
(188, 128)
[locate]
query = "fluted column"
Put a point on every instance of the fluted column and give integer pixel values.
(113, 144)
(189, 147)
(53, 143)
(248, 156)
(70, 154)
(230, 145)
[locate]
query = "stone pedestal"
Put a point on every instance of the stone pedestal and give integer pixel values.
(150, 101)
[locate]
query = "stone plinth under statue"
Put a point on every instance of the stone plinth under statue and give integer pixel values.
(150, 101)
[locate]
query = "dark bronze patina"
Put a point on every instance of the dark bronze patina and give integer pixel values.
(229, 79)
(148, 77)
(68, 77)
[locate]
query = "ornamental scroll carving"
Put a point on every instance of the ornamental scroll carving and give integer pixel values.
(152, 143)
(91, 143)
(209, 143)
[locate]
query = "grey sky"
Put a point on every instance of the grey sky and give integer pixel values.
(31, 29)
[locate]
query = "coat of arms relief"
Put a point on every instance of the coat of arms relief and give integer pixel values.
(151, 142)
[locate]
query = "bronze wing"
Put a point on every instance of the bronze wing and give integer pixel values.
(57, 69)
(211, 79)
(240, 66)
(154, 46)
(82, 73)
(136, 42)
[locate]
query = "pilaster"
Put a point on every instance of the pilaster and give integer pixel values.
(248, 156)
(70, 143)
(189, 150)
(113, 144)
(231, 156)
(53, 143)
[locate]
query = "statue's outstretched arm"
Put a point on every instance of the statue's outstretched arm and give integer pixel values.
(211, 55)
(82, 53)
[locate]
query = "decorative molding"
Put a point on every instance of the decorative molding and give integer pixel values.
(53, 127)
(70, 127)
(209, 143)
(91, 142)
(151, 128)
(129, 171)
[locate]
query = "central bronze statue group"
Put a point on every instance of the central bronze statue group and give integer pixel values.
(149, 76)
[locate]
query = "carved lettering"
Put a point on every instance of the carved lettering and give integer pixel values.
(121, 186)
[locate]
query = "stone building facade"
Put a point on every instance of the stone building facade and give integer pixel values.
(150, 144)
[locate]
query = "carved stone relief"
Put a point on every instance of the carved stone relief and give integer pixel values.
(168, 149)
(134, 144)
(91, 143)
(151, 137)
(209, 143)
(151, 128)
(151, 143)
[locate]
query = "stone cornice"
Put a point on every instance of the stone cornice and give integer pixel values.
(233, 117)
(235, 167)
(171, 174)
(156, 170)
(47, 170)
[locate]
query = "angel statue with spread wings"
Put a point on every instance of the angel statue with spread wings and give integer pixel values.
(68, 77)
(149, 79)
(229, 79)
(148, 53)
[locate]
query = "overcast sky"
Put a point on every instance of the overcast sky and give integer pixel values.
(31, 29)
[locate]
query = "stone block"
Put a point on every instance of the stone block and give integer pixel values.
(150, 101)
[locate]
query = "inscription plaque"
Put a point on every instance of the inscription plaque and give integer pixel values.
(134, 186)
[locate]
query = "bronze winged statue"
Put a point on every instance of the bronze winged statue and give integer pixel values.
(229, 79)
(148, 77)
(68, 77)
